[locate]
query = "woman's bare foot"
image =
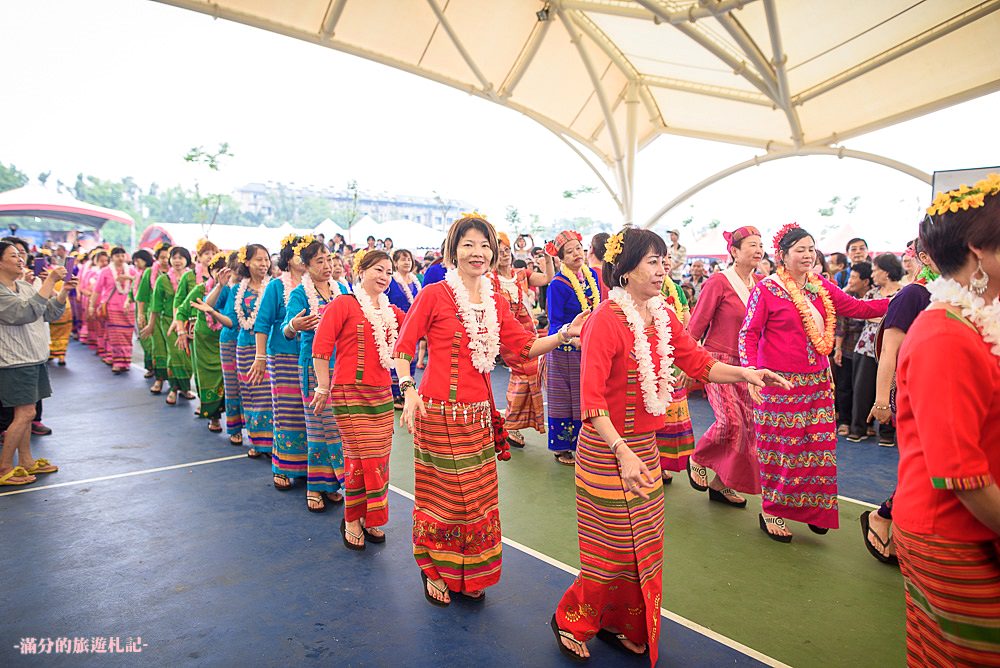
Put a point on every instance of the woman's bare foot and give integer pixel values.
(438, 590)
(718, 486)
(774, 528)
(881, 528)
(632, 647)
(355, 534)
(315, 501)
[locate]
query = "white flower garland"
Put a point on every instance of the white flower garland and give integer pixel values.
(312, 294)
(655, 398)
(985, 317)
(286, 282)
(119, 286)
(404, 285)
(384, 325)
(484, 341)
(248, 322)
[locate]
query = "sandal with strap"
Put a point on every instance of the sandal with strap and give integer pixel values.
(475, 599)
(336, 498)
(886, 544)
(615, 640)
(427, 594)
(722, 496)
(566, 651)
(371, 537)
(345, 532)
(776, 521)
(818, 529)
(42, 466)
(566, 458)
(322, 503)
(253, 454)
(285, 480)
(697, 470)
(236, 439)
(16, 472)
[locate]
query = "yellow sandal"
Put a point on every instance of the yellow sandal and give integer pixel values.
(42, 466)
(16, 472)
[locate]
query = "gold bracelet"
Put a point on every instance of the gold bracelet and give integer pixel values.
(614, 445)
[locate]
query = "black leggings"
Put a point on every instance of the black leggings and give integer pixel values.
(7, 415)
(865, 371)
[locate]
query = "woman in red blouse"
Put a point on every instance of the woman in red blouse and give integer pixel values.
(362, 327)
(456, 519)
(630, 345)
(946, 510)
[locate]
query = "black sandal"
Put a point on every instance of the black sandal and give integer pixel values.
(722, 496)
(372, 538)
(255, 455)
(615, 640)
(332, 499)
(818, 530)
(701, 471)
(427, 594)
(284, 478)
(867, 529)
(348, 544)
(776, 521)
(513, 442)
(566, 458)
(566, 651)
(236, 439)
(215, 430)
(474, 599)
(322, 503)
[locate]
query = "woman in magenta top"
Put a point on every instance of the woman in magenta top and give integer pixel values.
(789, 327)
(729, 446)
(112, 295)
(946, 509)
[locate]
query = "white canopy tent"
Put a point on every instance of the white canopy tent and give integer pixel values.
(788, 77)
(412, 235)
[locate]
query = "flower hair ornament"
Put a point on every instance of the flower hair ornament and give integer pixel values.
(964, 197)
(358, 257)
(781, 234)
(473, 214)
(200, 244)
(613, 247)
(288, 240)
(221, 255)
(241, 257)
(302, 245)
(160, 247)
(563, 238)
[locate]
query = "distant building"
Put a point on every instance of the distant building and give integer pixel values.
(263, 199)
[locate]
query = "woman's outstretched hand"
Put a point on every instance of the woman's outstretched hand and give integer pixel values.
(412, 404)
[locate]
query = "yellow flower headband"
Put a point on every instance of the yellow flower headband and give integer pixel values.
(358, 257)
(613, 247)
(221, 255)
(964, 197)
(200, 244)
(473, 214)
(289, 240)
(302, 245)
(242, 257)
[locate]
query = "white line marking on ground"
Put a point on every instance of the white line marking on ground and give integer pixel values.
(672, 616)
(27, 489)
(860, 503)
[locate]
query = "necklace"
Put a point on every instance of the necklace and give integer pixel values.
(574, 281)
(384, 326)
(985, 317)
(120, 285)
(287, 284)
(247, 322)
(175, 279)
(484, 340)
(823, 343)
(512, 288)
(657, 388)
(312, 294)
(404, 285)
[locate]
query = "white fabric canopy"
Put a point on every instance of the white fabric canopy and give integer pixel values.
(790, 77)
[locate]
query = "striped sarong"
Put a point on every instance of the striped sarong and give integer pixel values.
(325, 470)
(231, 385)
(797, 450)
(525, 409)
(675, 441)
(118, 330)
(291, 451)
(621, 547)
(729, 446)
(59, 332)
(562, 388)
(952, 600)
(208, 372)
(456, 516)
(364, 414)
(256, 401)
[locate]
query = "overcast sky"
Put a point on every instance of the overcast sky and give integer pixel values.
(120, 87)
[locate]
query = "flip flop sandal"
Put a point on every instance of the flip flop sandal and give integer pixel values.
(776, 521)
(282, 488)
(255, 455)
(159, 391)
(474, 599)
(236, 440)
(16, 472)
(817, 529)
(698, 470)
(514, 443)
(171, 402)
(348, 544)
(566, 459)
(42, 466)
(867, 529)
(615, 640)
(722, 496)
(666, 478)
(215, 430)
(335, 500)
(190, 396)
(319, 509)
(372, 538)
(566, 651)
(427, 594)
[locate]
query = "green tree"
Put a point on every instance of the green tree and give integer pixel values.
(210, 203)
(11, 177)
(513, 217)
(313, 211)
(346, 216)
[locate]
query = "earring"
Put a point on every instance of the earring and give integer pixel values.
(622, 280)
(979, 280)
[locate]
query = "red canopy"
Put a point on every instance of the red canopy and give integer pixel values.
(39, 202)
